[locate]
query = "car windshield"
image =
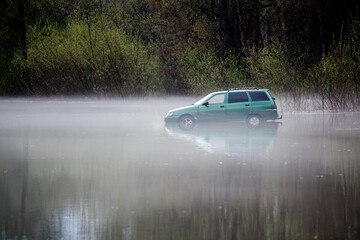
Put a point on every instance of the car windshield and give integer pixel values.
(203, 99)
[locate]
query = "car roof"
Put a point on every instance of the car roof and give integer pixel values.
(240, 90)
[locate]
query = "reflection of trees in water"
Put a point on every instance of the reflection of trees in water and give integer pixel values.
(318, 159)
(32, 189)
(13, 197)
(24, 176)
(301, 190)
(256, 202)
(219, 202)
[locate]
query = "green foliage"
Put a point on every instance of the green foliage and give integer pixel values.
(203, 72)
(176, 26)
(185, 46)
(283, 73)
(270, 67)
(92, 57)
(267, 67)
(129, 16)
(337, 75)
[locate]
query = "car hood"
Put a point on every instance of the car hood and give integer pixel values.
(183, 108)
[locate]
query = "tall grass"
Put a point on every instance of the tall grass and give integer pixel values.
(334, 79)
(271, 67)
(337, 75)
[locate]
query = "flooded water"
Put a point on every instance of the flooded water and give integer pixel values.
(111, 169)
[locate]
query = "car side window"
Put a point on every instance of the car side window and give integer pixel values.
(217, 99)
(259, 96)
(237, 97)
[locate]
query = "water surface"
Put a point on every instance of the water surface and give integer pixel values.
(111, 169)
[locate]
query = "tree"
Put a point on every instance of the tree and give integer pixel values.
(176, 26)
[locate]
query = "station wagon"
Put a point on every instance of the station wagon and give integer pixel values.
(247, 104)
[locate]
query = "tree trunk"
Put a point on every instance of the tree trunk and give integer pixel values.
(284, 27)
(263, 25)
(320, 14)
(228, 23)
(22, 38)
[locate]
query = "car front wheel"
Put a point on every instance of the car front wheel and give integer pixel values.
(254, 121)
(186, 122)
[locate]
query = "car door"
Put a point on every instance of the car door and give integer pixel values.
(213, 108)
(260, 102)
(238, 107)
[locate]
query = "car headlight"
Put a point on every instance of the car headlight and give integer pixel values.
(169, 114)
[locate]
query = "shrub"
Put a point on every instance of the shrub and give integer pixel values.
(90, 56)
(271, 67)
(203, 72)
(337, 75)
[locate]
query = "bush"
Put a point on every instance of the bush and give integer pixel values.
(272, 68)
(90, 56)
(337, 75)
(203, 72)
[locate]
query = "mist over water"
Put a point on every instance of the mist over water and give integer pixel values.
(111, 169)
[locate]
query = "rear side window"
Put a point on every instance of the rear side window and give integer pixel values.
(236, 97)
(259, 96)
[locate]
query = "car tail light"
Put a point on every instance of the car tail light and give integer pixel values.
(273, 106)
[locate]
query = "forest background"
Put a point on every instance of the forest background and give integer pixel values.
(300, 48)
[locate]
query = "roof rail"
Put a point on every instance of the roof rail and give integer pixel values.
(244, 88)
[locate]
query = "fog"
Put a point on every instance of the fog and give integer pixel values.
(111, 169)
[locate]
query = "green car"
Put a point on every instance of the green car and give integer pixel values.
(250, 104)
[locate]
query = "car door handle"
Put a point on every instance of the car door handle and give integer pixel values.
(222, 106)
(247, 105)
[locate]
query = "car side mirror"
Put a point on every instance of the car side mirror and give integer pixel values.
(206, 104)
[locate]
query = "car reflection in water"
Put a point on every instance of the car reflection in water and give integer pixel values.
(232, 139)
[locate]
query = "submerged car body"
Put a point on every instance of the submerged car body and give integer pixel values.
(250, 104)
